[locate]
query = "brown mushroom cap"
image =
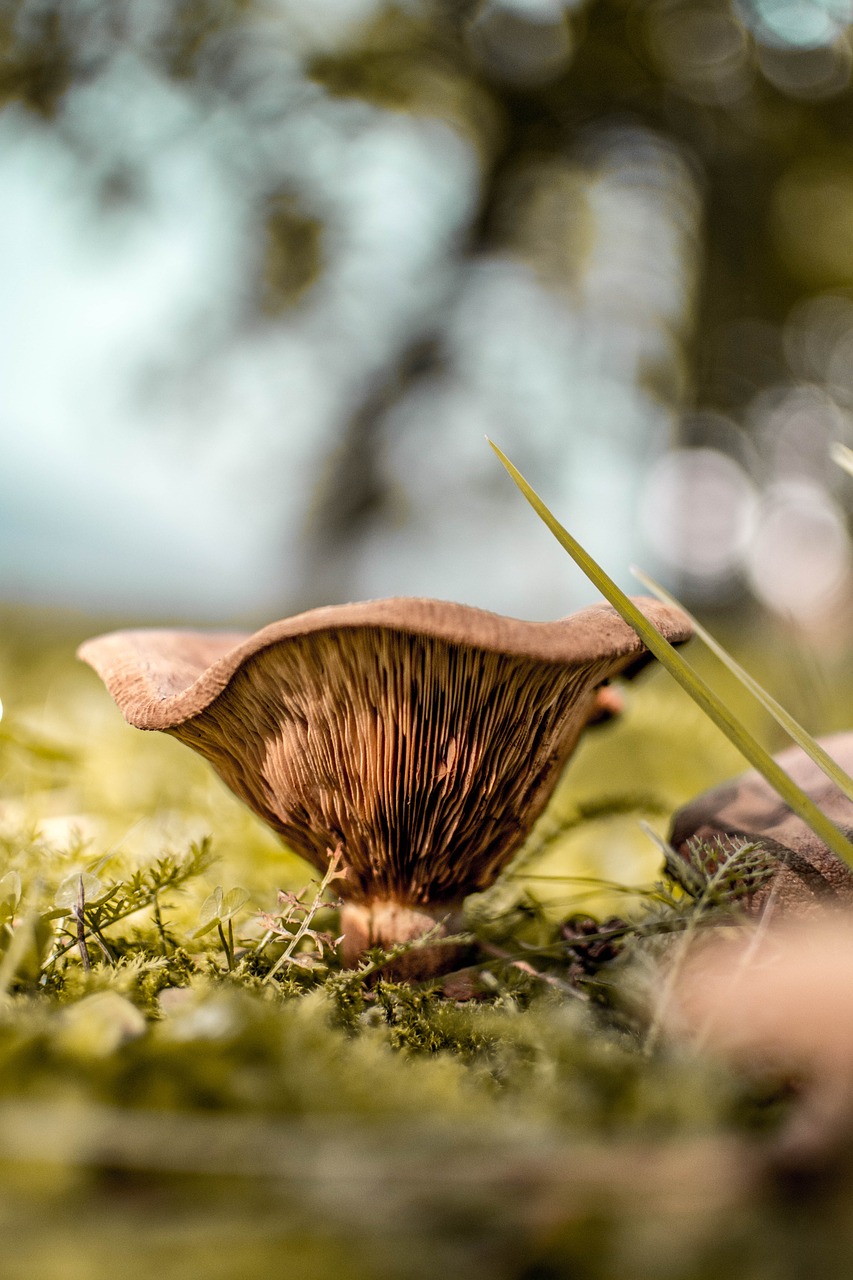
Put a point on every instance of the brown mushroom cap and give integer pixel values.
(424, 738)
(747, 808)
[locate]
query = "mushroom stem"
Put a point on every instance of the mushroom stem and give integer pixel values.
(386, 923)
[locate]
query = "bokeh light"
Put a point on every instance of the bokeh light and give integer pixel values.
(799, 24)
(799, 556)
(793, 428)
(816, 334)
(699, 515)
(521, 42)
(812, 74)
(703, 49)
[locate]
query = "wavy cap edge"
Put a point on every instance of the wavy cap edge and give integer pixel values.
(159, 678)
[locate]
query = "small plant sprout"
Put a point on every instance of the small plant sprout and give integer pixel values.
(421, 738)
(95, 906)
(78, 897)
(217, 912)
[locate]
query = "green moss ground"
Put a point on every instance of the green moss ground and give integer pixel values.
(166, 1115)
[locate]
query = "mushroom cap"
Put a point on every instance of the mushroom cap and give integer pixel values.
(747, 808)
(423, 737)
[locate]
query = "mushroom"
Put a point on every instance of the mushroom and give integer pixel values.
(806, 872)
(420, 738)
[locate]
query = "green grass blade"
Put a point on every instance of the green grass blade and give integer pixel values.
(792, 727)
(843, 456)
(690, 681)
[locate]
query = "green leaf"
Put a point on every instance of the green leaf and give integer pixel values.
(784, 719)
(234, 901)
(219, 908)
(25, 952)
(68, 893)
(211, 913)
(690, 681)
(10, 890)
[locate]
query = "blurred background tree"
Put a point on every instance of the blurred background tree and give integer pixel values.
(273, 270)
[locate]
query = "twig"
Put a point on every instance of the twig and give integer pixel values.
(304, 929)
(524, 966)
(229, 952)
(158, 922)
(81, 927)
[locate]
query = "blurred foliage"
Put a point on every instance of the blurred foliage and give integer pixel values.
(753, 99)
(772, 153)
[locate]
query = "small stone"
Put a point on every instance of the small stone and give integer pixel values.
(807, 874)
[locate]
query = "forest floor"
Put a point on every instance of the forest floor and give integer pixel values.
(184, 1091)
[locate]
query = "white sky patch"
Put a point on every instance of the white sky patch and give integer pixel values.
(121, 484)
